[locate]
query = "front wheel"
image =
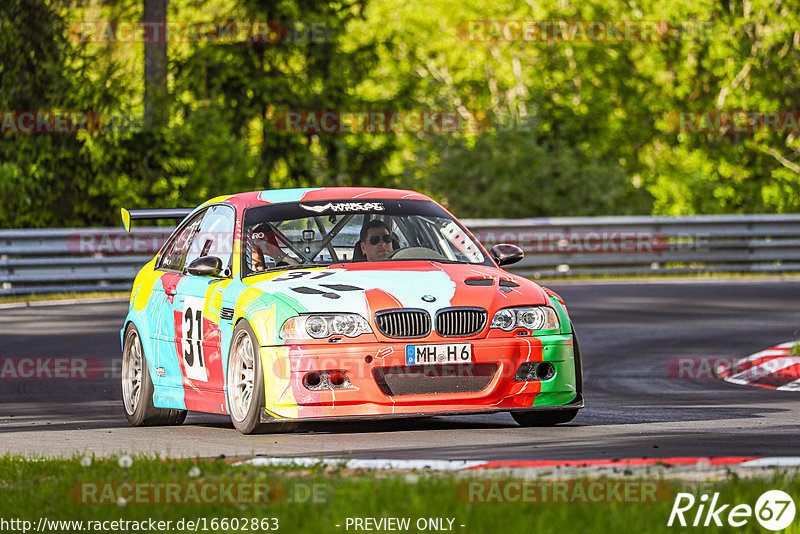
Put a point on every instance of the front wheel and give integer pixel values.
(137, 387)
(245, 380)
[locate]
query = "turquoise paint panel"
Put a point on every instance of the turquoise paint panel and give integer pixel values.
(285, 195)
(168, 397)
(156, 325)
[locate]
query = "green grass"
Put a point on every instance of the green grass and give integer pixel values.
(42, 488)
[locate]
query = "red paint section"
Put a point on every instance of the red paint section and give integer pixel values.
(386, 266)
(196, 392)
(360, 193)
(378, 299)
(245, 200)
(551, 293)
(170, 283)
(202, 396)
(178, 319)
(681, 460)
(528, 293)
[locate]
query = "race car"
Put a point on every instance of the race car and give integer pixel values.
(339, 303)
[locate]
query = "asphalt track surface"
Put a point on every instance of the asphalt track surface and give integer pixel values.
(629, 331)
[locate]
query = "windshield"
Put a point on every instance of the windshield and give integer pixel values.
(346, 231)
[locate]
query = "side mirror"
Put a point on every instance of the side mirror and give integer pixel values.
(505, 254)
(205, 266)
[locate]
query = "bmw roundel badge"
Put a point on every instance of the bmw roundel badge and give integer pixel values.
(428, 298)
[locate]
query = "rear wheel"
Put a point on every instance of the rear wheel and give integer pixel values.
(137, 387)
(245, 380)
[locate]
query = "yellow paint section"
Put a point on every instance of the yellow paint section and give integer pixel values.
(236, 263)
(256, 278)
(216, 200)
(279, 398)
(276, 366)
(126, 219)
(244, 300)
(143, 285)
(263, 324)
(213, 299)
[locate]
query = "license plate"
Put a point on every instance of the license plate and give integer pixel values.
(444, 353)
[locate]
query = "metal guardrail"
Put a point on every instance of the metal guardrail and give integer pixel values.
(575, 246)
(107, 259)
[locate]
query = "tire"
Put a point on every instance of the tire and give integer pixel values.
(576, 348)
(556, 417)
(244, 380)
(137, 387)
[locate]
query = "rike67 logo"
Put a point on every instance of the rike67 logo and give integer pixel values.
(774, 510)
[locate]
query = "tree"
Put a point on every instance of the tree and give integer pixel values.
(155, 64)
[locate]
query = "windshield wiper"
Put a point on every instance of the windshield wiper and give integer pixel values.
(288, 267)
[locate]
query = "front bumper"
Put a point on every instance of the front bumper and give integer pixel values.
(287, 397)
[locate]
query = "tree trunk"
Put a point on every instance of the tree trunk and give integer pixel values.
(155, 64)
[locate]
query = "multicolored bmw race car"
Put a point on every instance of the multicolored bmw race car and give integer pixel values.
(338, 303)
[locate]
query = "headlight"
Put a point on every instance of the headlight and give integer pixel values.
(325, 325)
(530, 317)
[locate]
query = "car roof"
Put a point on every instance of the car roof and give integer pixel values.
(275, 196)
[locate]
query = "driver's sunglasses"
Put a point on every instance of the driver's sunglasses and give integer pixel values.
(374, 240)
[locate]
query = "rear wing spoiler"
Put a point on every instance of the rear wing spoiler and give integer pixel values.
(152, 214)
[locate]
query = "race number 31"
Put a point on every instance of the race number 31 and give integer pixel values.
(192, 341)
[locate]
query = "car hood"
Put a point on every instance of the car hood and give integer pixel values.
(366, 288)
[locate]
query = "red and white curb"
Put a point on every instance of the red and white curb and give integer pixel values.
(462, 465)
(772, 368)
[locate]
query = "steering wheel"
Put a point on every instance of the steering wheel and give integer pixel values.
(414, 253)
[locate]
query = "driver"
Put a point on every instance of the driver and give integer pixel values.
(376, 240)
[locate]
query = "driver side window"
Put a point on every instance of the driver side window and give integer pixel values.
(174, 256)
(214, 237)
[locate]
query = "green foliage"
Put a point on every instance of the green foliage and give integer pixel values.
(577, 128)
(517, 174)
